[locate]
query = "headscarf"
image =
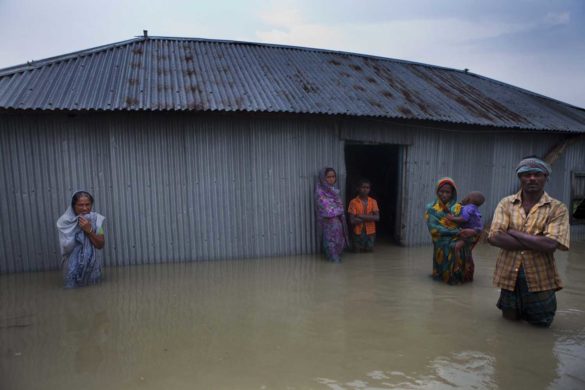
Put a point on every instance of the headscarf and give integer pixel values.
(453, 200)
(328, 202)
(533, 164)
(437, 211)
(68, 227)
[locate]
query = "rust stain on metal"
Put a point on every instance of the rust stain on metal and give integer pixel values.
(334, 62)
(137, 50)
(469, 97)
(387, 94)
(190, 72)
(459, 95)
(135, 65)
(194, 88)
(358, 87)
(355, 67)
(133, 81)
(196, 106)
(407, 95)
(375, 103)
(406, 111)
(386, 75)
(345, 74)
(371, 80)
(131, 101)
(309, 87)
(401, 87)
(189, 58)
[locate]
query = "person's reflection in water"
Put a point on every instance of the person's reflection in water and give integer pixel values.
(524, 357)
(89, 321)
(90, 354)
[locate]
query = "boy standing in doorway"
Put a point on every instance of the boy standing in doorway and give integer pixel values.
(363, 215)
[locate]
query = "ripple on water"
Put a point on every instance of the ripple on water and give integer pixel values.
(465, 370)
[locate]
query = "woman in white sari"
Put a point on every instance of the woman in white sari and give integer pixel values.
(81, 232)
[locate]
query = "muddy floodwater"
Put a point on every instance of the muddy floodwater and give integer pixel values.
(376, 321)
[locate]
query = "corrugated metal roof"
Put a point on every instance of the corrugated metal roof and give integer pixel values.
(188, 74)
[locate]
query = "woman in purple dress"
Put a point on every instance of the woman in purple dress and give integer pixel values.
(330, 215)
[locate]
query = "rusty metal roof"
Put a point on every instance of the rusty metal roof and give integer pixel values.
(190, 74)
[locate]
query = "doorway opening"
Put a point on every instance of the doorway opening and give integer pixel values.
(381, 164)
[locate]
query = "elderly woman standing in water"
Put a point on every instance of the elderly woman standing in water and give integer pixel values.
(450, 265)
(81, 232)
(330, 215)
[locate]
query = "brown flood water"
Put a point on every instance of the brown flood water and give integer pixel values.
(376, 321)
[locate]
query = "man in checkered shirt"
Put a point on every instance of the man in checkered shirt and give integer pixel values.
(529, 226)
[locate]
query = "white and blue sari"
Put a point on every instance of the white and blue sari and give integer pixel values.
(81, 262)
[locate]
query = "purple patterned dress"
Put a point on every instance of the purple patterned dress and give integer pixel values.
(330, 215)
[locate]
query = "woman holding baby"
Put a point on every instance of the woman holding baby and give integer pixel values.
(454, 232)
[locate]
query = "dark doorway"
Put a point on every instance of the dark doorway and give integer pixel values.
(382, 165)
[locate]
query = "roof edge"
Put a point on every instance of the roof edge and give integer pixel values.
(416, 122)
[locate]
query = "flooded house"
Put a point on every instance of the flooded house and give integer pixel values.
(199, 149)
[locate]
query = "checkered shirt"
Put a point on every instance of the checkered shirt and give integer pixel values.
(548, 218)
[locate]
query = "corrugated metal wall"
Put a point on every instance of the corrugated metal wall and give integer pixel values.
(573, 160)
(173, 187)
(483, 161)
(182, 187)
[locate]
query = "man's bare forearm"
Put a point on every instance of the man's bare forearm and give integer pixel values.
(533, 242)
(506, 241)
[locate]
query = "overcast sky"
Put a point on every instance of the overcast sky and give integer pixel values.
(534, 44)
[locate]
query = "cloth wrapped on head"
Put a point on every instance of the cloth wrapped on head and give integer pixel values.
(533, 164)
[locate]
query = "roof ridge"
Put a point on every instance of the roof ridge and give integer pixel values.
(79, 53)
(34, 64)
(306, 48)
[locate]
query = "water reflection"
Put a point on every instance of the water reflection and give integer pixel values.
(466, 370)
(375, 321)
(570, 353)
(523, 351)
